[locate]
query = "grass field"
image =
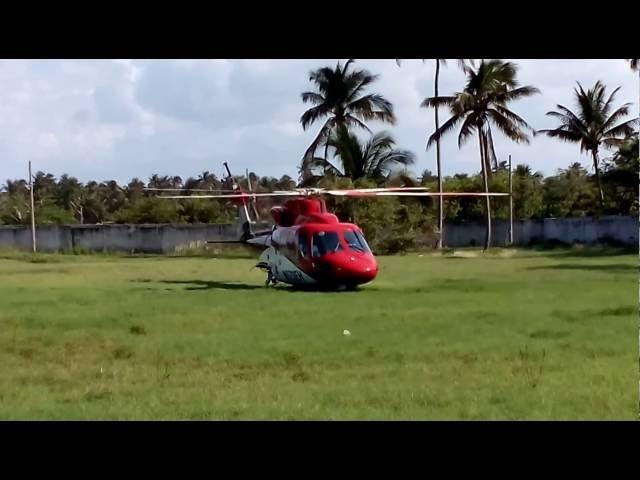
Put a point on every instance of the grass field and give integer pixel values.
(510, 335)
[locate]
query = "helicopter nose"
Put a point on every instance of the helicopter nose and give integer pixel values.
(356, 269)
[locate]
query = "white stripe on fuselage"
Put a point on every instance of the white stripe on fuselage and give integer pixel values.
(283, 270)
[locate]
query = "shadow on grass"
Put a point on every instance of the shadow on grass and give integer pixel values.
(208, 285)
(221, 285)
(584, 252)
(225, 256)
(616, 267)
(538, 251)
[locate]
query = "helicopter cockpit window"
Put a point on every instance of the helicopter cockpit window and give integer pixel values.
(356, 241)
(325, 242)
(303, 244)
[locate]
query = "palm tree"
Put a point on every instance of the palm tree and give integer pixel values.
(483, 102)
(13, 187)
(43, 186)
(340, 97)
(594, 125)
(208, 180)
(634, 63)
(375, 159)
(443, 62)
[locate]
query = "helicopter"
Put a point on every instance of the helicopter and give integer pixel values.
(308, 245)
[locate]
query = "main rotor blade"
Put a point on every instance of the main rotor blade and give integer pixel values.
(350, 193)
(247, 196)
(384, 189)
(188, 190)
(319, 191)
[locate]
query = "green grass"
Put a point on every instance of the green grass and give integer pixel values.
(510, 335)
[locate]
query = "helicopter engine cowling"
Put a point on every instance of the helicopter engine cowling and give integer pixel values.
(282, 216)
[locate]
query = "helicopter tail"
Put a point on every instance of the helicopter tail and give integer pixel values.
(247, 235)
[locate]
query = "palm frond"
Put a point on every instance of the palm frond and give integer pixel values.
(433, 102)
(607, 104)
(444, 128)
(507, 127)
(490, 150)
(350, 119)
(313, 114)
(517, 93)
(466, 130)
(366, 106)
(624, 129)
(312, 97)
(615, 116)
(326, 165)
(321, 137)
(614, 142)
(381, 140)
(380, 166)
(563, 134)
(513, 117)
(570, 120)
(346, 65)
(347, 149)
(310, 181)
(359, 85)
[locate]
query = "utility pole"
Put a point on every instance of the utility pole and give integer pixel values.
(510, 204)
(33, 213)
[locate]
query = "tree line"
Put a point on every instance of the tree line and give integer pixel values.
(571, 192)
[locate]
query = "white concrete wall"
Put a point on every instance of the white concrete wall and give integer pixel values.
(128, 238)
(619, 229)
(167, 238)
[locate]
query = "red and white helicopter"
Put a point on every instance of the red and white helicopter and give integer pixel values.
(309, 245)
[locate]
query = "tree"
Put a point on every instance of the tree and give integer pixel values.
(528, 193)
(571, 193)
(483, 102)
(340, 98)
(94, 210)
(206, 180)
(157, 181)
(463, 208)
(44, 186)
(112, 196)
(134, 190)
(15, 205)
(70, 195)
(620, 177)
(374, 159)
(594, 124)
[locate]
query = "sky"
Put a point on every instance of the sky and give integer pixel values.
(119, 119)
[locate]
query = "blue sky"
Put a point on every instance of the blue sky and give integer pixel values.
(118, 119)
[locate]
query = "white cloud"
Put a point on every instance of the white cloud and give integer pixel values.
(123, 118)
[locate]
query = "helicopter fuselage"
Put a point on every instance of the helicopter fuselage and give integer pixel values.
(310, 246)
(318, 253)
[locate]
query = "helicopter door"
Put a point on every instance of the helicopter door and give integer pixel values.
(304, 249)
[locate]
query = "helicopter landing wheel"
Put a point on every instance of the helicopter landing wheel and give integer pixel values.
(270, 279)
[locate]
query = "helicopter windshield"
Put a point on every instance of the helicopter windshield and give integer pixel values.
(356, 241)
(325, 242)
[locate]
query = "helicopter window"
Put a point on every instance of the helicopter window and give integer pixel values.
(356, 241)
(325, 242)
(303, 244)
